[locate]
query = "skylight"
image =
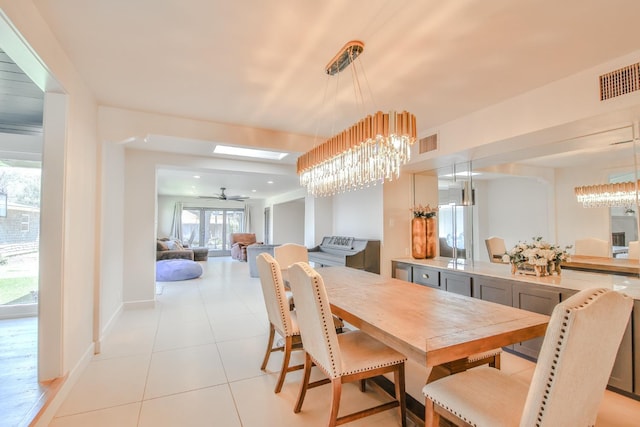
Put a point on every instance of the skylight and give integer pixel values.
(249, 152)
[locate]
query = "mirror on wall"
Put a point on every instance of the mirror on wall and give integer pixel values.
(530, 193)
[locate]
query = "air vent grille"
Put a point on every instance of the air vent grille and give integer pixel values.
(429, 143)
(620, 82)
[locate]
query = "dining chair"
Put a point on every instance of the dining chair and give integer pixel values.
(281, 319)
(634, 250)
(496, 249)
(347, 357)
(575, 361)
(593, 247)
(288, 254)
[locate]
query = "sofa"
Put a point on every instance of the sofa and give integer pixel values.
(239, 243)
(172, 249)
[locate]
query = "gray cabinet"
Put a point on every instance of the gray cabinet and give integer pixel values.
(456, 283)
(622, 372)
(402, 271)
(493, 290)
(426, 276)
(536, 299)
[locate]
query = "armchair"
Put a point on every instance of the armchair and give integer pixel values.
(239, 243)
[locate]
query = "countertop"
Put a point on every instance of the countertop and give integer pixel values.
(569, 279)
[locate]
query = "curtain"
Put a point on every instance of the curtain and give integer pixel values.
(176, 226)
(247, 219)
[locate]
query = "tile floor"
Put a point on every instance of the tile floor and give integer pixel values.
(194, 361)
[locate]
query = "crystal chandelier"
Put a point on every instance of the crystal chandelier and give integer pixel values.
(370, 151)
(621, 194)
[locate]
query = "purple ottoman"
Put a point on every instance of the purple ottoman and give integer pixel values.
(171, 270)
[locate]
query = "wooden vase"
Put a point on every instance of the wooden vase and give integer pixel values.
(432, 234)
(419, 238)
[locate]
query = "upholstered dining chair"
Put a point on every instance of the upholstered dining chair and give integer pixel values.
(281, 319)
(496, 248)
(288, 254)
(350, 356)
(634, 250)
(593, 247)
(577, 355)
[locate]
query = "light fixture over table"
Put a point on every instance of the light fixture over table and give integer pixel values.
(370, 151)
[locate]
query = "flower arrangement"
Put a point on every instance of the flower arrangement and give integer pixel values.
(537, 254)
(423, 211)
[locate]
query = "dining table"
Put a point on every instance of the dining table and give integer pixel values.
(430, 326)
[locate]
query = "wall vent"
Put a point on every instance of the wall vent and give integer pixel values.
(620, 82)
(429, 143)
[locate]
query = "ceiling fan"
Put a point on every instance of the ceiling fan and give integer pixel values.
(223, 196)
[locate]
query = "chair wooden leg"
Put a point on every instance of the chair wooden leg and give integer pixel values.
(272, 333)
(401, 397)
(431, 417)
(496, 361)
(288, 344)
(336, 392)
(305, 382)
(363, 385)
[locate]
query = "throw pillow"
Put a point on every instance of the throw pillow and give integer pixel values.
(161, 246)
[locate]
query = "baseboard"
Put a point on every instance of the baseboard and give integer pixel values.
(106, 330)
(60, 391)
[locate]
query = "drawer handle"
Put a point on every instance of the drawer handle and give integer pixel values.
(425, 276)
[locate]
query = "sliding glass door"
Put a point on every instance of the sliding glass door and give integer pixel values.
(211, 228)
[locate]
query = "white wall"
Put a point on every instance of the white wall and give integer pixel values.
(288, 222)
(112, 241)
(318, 221)
(359, 213)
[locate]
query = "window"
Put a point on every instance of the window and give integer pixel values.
(211, 228)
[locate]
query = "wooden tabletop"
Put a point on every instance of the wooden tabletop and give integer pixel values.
(604, 265)
(428, 325)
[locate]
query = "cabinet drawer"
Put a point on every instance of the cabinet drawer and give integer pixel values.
(426, 276)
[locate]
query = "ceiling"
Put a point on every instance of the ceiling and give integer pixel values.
(261, 63)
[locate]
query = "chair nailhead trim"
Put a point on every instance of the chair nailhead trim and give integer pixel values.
(556, 356)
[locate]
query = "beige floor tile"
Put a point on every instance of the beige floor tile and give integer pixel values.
(120, 416)
(128, 342)
(188, 312)
(211, 406)
(618, 411)
(185, 369)
(258, 405)
(219, 311)
(107, 383)
(237, 327)
(183, 334)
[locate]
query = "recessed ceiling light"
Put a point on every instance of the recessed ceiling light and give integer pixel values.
(196, 176)
(249, 152)
(254, 190)
(269, 182)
